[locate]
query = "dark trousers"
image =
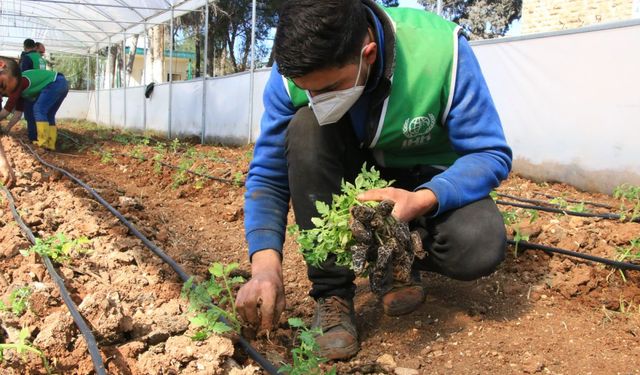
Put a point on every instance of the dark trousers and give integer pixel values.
(464, 244)
(32, 133)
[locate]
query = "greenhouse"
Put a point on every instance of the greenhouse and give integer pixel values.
(127, 246)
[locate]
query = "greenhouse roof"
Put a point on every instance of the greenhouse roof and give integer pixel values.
(82, 27)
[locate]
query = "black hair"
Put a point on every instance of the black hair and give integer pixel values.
(314, 35)
(37, 45)
(29, 44)
(12, 67)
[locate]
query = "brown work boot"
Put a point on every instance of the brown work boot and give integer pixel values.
(336, 317)
(404, 298)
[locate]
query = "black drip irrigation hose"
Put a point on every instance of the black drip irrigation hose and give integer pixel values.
(593, 258)
(539, 202)
(180, 169)
(595, 204)
(92, 346)
(609, 216)
(250, 350)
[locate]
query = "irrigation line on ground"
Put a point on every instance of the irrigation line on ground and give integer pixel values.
(593, 258)
(92, 346)
(539, 202)
(181, 169)
(609, 216)
(595, 204)
(250, 350)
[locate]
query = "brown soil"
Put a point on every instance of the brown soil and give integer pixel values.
(538, 313)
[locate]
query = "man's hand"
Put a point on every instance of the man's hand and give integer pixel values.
(261, 300)
(408, 204)
(8, 178)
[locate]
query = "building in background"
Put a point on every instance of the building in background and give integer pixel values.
(551, 15)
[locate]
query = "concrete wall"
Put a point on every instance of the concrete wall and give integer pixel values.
(552, 15)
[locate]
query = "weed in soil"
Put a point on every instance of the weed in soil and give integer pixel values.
(22, 346)
(18, 301)
(213, 299)
(58, 248)
(306, 357)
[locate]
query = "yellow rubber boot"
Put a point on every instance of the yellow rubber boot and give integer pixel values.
(53, 136)
(43, 133)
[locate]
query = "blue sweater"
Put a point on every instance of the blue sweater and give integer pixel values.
(474, 129)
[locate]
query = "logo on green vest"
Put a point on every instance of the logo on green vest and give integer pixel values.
(417, 130)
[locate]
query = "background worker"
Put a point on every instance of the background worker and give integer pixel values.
(45, 88)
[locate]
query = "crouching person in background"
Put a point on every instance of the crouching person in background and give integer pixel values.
(45, 88)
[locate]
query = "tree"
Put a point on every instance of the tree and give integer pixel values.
(74, 68)
(480, 19)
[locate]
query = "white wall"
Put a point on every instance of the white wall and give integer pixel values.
(569, 103)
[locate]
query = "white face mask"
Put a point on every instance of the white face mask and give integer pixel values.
(331, 106)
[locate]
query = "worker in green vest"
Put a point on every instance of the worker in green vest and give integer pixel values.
(46, 89)
(401, 90)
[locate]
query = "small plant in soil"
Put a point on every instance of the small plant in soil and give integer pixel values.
(22, 346)
(214, 299)
(181, 176)
(630, 254)
(106, 157)
(238, 178)
(628, 194)
(306, 357)
(18, 301)
(362, 236)
(59, 248)
(137, 152)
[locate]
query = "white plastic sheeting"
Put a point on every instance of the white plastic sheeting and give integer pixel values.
(570, 104)
(78, 26)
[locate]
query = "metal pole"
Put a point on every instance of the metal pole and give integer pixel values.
(253, 68)
(170, 73)
(87, 76)
(124, 78)
(97, 88)
(204, 76)
(144, 79)
(110, 83)
(439, 7)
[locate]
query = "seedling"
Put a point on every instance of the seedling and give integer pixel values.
(181, 176)
(22, 346)
(306, 357)
(137, 153)
(630, 253)
(517, 237)
(213, 299)
(631, 194)
(18, 301)
(175, 145)
(509, 217)
(58, 248)
(331, 234)
(533, 215)
(560, 202)
(580, 207)
(238, 178)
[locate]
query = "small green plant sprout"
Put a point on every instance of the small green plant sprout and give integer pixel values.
(509, 217)
(22, 346)
(202, 169)
(628, 194)
(238, 178)
(629, 253)
(560, 202)
(306, 357)
(175, 145)
(533, 215)
(137, 152)
(106, 157)
(331, 234)
(517, 237)
(181, 176)
(58, 248)
(18, 301)
(580, 207)
(213, 299)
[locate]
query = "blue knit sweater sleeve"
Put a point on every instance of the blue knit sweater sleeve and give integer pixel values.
(267, 187)
(476, 133)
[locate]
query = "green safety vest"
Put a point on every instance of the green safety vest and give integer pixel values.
(411, 129)
(38, 80)
(38, 61)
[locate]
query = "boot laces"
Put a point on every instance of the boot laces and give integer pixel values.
(332, 311)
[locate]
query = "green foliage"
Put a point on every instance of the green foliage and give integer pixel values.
(22, 346)
(175, 145)
(560, 202)
(213, 299)
(58, 248)
(628, 194)
(533, 215)
(238, 178)
(331, 234)
(517, 237)
(306, 357)
(580, 207)
(106, 157)
(137, 153)
(18, 301)
(181, 176)
(509, 217)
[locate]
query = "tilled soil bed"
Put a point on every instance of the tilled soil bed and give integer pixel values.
(538, 313)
